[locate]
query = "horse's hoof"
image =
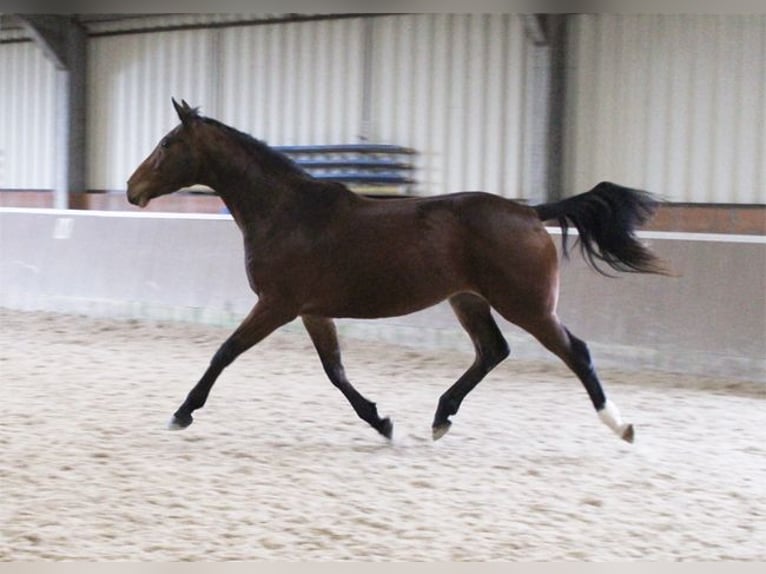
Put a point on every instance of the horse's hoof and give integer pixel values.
(180, 423)
(386, 428)
(628, 435)
(440, 430)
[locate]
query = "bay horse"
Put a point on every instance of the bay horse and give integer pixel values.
(318, 251)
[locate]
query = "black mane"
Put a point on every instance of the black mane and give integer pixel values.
(272, 160)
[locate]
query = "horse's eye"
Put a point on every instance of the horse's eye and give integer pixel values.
(165, 143)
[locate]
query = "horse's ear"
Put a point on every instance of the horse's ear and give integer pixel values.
(179, 109)
(185, 112)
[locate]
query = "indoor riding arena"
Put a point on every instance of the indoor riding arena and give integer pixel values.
(111, 313)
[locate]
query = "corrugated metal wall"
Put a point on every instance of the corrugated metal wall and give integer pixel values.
(27, 107)
(284, 83)
(294, 83)
(451, 86)
(131, 80)
(673, 104)
(454, 88)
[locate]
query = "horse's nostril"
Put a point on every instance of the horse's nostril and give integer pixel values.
(135, 197)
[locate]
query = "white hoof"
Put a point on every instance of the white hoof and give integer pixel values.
(610, 416)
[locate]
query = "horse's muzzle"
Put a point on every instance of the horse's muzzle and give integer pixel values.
(137, 196)
(139, 200)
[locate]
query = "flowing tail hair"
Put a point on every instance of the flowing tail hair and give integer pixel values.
(606, 218)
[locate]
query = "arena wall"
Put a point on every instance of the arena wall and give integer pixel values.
(155, 266)
(669, 103)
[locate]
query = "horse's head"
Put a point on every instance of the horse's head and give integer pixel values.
(173, 164)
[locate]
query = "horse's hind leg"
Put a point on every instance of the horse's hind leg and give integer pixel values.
(574, 352)
(474, 315)
(325, 338)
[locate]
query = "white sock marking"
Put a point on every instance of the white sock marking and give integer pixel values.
(610, 416)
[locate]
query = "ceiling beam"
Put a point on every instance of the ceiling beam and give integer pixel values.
(535, 28)
(50, 32)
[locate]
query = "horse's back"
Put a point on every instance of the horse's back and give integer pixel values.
(472, 208)
(477, 234)
(484, 222)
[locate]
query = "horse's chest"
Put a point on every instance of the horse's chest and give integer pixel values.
(276, 270)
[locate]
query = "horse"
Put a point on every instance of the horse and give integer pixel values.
(316, 250)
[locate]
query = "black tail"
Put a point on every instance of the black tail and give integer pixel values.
(606, 218)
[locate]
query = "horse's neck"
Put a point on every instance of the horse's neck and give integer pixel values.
(262, 195)
(249, 192)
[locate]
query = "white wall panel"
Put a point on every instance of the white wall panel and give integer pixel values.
(453, 87)
(131, 81)
(284, 83)
(673, 104)
(294, 83)
(27, 107)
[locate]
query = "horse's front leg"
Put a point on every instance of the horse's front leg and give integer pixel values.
(325, 338)
(262, 320)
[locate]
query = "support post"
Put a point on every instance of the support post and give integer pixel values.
(367, 79)
(64, 40)
(557, 38)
